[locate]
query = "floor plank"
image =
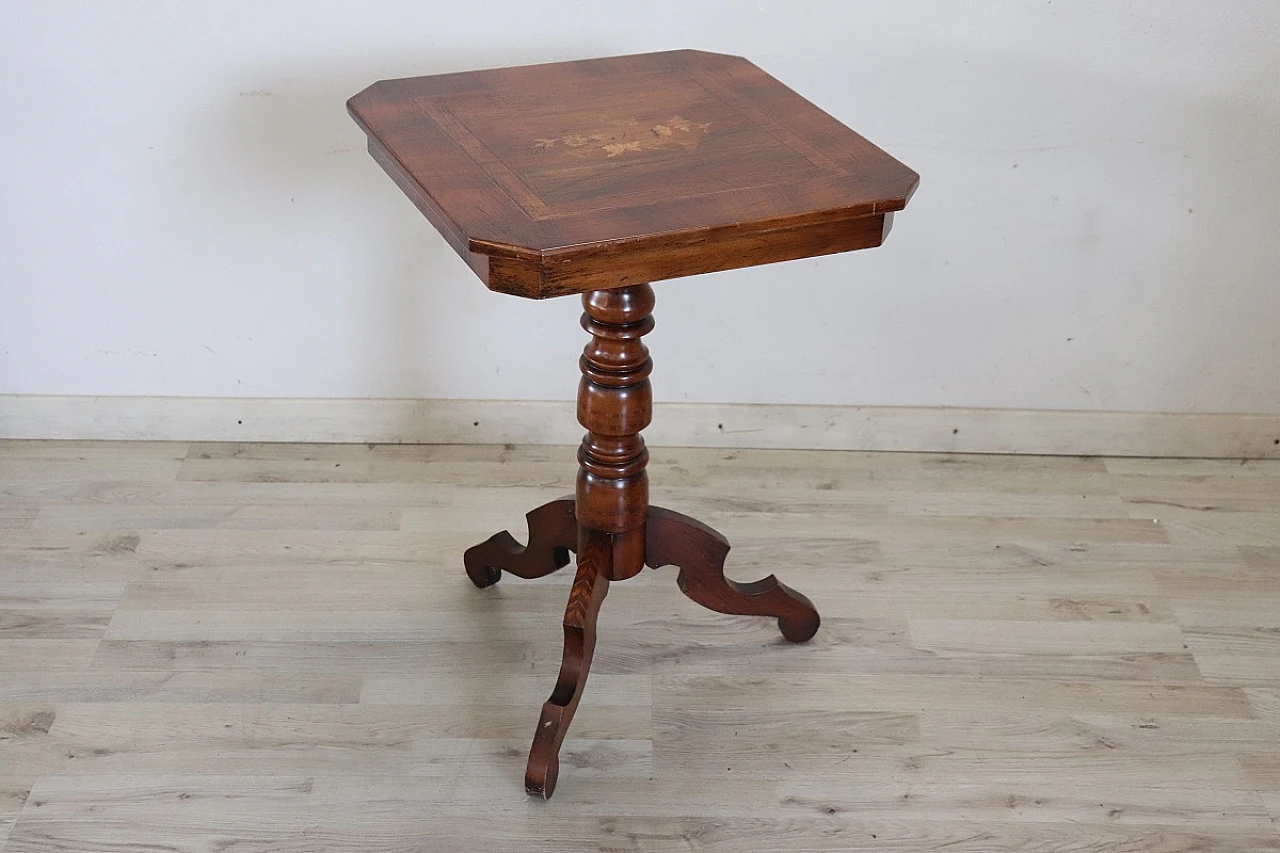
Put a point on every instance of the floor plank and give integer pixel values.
(272, 647)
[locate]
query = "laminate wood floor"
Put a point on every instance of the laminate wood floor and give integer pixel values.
(218, 648)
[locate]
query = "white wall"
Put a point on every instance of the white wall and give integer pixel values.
(186, 209)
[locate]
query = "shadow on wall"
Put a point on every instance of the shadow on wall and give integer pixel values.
(284, 162)
(1134, 216)
(1140, 213)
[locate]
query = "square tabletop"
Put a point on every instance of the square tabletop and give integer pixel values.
(575, 176)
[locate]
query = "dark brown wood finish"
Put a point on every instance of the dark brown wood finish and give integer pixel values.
(615, 402)
(576, 176)
(611, 526)
(597, 177)
(699, 552)
(590, 585)
(671, 539)
(553, 533)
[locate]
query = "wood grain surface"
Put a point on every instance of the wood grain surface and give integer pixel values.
(575, 176)
(215, 647)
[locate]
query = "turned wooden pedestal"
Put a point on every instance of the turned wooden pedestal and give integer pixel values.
(610, 525)
(597, 177)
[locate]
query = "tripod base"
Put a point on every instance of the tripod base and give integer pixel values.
(670, 539)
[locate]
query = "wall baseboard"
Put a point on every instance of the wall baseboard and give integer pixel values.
(949, 430)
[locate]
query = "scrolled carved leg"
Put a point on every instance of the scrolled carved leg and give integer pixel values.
(673, 539)
(553, 533)
(612, 527)
(589, 588)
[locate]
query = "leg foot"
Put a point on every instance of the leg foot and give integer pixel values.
(589, 588)
(673, 539)
(553, 533)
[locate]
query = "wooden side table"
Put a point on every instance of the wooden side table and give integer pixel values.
(598, 177)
